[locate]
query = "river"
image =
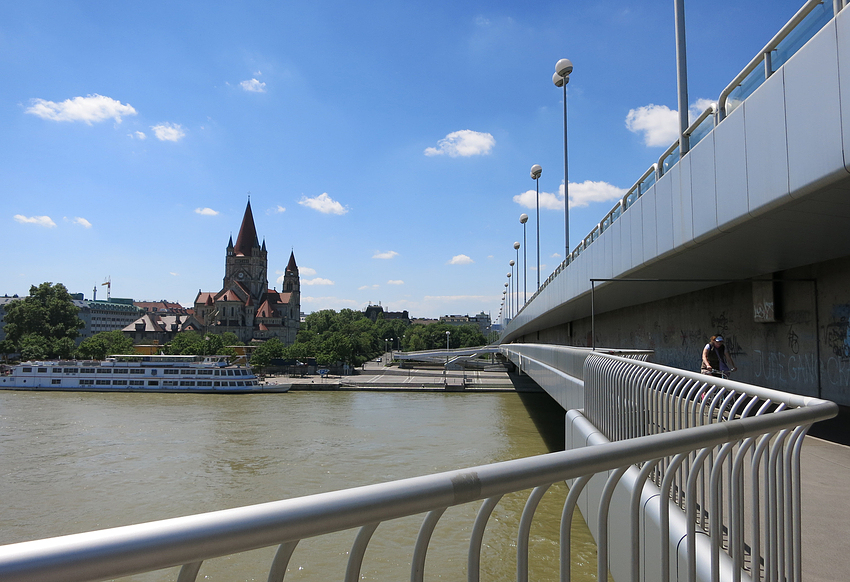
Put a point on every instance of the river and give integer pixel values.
(72, 462)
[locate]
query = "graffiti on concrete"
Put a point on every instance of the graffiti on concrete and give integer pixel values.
(777, 367)
(763, 311)
(720, 323)
(838, 371)
(838, 338)
(793, 340)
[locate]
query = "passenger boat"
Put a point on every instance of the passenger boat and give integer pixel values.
(134, 373)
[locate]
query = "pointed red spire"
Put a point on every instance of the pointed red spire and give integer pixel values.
(247, 238)
(292, 267)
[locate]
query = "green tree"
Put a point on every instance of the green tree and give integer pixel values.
(264, 353)
(46, 319)
(102, 344)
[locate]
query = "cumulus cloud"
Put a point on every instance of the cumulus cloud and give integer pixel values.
(317, 281)
(384, 255)
(460, 260)
(547, 200)
(168, 131)
(365, 287)
(395, 282)
(306, 271)
(581, 195)
(463, 143)
(89, 109)
(139, 135)
(206, 211)
(173, 274)
(324, 204)
(277, 210)
(82, 222)
(45, 221)
(660, 124)
(253, 86)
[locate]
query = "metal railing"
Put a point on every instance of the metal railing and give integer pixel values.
(673, 458)
(805, 24)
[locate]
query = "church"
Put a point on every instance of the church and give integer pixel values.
(245, 305)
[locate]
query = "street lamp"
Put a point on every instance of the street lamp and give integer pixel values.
(446, 370)
(513, 287)
(516, 283)
(523, 218)
(536, 170)
(508, 297)
(561, 78)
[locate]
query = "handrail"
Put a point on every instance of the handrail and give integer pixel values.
(759, 58)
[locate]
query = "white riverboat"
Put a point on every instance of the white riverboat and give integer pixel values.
(134, 373)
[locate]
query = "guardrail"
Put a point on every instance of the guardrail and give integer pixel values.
(664, 455)
(811, 17)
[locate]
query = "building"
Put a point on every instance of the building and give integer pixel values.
(245, 305)
(374, 311)
(482, 320)
(160, 328)
(162, 307)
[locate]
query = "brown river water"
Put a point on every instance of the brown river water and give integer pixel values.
(72, 462)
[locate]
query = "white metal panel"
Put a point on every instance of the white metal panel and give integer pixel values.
(682, 210)
(842, 26)
(664, 211)
(635, 242)
(618, 234)
(606, 270)
(703, 188)
(813, 114)
(648, 225)
(731, 170)
(767, 145)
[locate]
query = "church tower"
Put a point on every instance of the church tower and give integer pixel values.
(246, 262)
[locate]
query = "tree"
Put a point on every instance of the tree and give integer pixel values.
(102, 344)
(45, 322)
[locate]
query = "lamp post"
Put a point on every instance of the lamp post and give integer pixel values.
(446, 371)
(523, 218)
(561, 78)
(513, 287)
(507, 303)
(536, 170)
(516, 284)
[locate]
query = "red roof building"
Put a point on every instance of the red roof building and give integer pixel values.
(245, 305)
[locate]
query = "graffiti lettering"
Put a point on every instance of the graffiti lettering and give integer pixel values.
(838, 371)
(763, 311)
(793, 340)
(838, 339)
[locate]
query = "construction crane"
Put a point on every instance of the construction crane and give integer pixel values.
(108, 284)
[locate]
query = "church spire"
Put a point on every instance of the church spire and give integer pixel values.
(247, 238)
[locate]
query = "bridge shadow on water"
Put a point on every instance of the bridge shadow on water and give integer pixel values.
(546, 414)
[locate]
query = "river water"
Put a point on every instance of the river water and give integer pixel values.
(72, 462)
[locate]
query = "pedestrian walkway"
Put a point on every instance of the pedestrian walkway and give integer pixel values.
(825, 469)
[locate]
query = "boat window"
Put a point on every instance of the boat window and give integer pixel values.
(57, 370)
(56, 381)
(137, 382)
(102, 382)
(137, 371)
(153, 382)
(119, 382)
(26, 369)
(70, 370)
(42, 370)
(122, 371)
(103, 370)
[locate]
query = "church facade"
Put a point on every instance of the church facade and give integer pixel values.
(245, 305)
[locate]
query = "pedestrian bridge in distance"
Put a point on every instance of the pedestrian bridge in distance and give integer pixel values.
(746, 234)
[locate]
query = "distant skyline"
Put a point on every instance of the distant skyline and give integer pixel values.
(388, 145)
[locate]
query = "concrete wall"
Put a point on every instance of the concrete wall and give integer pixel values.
(805, 350)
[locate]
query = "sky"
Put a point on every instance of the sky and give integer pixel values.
(387, 144)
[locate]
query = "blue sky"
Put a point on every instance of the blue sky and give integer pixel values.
(387, 143)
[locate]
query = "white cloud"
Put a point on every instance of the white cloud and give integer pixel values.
(45, 221)
(89, 109)
(82, 222)
(555, 255)
(173, 274)
(463, 143)
(365, 287)
(583, 193)
(324, 204)
(253, 86)
(395, 282)
(317, 281)
(206, 211)
(277, 210)
(659, 123)
(460, 260)
(547, 200)
(168, 131)
(139, 135)
(384, 255)
(306, 271)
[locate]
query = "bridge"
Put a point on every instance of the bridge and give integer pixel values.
(702, 476)
(745, 234)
